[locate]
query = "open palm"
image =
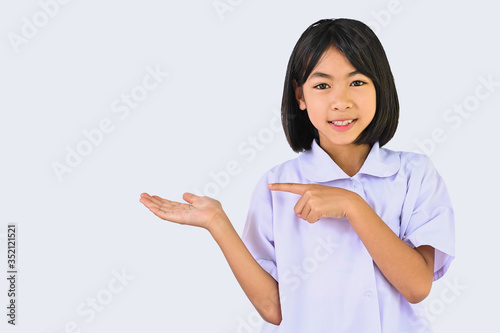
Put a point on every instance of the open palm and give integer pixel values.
(199, 211)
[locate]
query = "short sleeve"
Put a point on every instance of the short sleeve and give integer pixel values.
(258, 233)
(427, 217)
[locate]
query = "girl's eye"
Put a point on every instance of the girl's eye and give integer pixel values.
(322, 86)
(357, 83)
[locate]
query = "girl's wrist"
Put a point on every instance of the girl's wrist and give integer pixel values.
(219, 223)
(354, 205)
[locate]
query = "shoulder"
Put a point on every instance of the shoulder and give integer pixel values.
(410, 162)
(418, 172)
(283, 171)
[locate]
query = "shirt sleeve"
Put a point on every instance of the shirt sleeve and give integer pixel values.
(427, 217)
(258, 233)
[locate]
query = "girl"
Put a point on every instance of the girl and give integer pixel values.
(348, 236)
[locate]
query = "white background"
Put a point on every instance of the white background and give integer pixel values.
(225, 78)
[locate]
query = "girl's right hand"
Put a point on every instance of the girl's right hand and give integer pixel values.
(199, 211)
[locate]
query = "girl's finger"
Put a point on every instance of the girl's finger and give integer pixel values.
(165, 202)
(299, 206)
(306, 213)
(156, 199)
(146, 199)
(154, 205)
(190, 197)
(165, 214)
(147, 202)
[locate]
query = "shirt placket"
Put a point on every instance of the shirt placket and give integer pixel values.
(368, 287)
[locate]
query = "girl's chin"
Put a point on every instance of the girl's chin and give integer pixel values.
(324, 140)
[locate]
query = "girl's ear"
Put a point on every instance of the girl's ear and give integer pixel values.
(299, 95)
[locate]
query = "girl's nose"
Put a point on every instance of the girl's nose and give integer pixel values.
(341, 100)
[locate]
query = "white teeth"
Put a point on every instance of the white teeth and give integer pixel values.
(342, 123)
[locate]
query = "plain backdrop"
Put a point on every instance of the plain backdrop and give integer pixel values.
(75, 78)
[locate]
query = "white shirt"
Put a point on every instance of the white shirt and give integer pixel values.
(328, 281)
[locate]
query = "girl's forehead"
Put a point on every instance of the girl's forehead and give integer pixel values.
(333, 60)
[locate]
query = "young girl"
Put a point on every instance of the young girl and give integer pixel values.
(348, 236)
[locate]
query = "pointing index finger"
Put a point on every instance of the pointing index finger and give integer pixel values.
(287, 187)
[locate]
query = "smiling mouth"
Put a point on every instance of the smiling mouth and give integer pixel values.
(342, 122)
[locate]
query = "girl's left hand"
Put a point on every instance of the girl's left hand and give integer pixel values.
(202, 212)
(318, 201)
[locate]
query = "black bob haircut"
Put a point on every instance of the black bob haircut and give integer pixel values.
(364, 51)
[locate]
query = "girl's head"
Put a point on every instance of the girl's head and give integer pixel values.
(364, 52)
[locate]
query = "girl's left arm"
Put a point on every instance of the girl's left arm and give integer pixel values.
(409, 270)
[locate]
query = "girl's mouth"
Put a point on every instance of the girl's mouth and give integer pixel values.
(342, 125)
(342, 122)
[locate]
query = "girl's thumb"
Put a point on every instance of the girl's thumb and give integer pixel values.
(189, 197)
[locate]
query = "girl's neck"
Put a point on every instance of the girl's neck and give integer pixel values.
(350, 158)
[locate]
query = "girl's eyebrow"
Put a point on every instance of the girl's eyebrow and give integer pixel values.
(328, 76)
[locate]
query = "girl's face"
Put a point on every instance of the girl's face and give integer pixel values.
(340, 101)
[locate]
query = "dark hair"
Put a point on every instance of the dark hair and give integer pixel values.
(364, 51)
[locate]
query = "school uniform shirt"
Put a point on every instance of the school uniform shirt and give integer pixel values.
(327, 280)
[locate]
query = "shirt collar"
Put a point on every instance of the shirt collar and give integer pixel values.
(318, 166)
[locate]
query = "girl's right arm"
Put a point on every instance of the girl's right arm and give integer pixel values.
(259, 286)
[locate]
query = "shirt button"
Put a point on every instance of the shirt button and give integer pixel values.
(369, 294)
(354, 184)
